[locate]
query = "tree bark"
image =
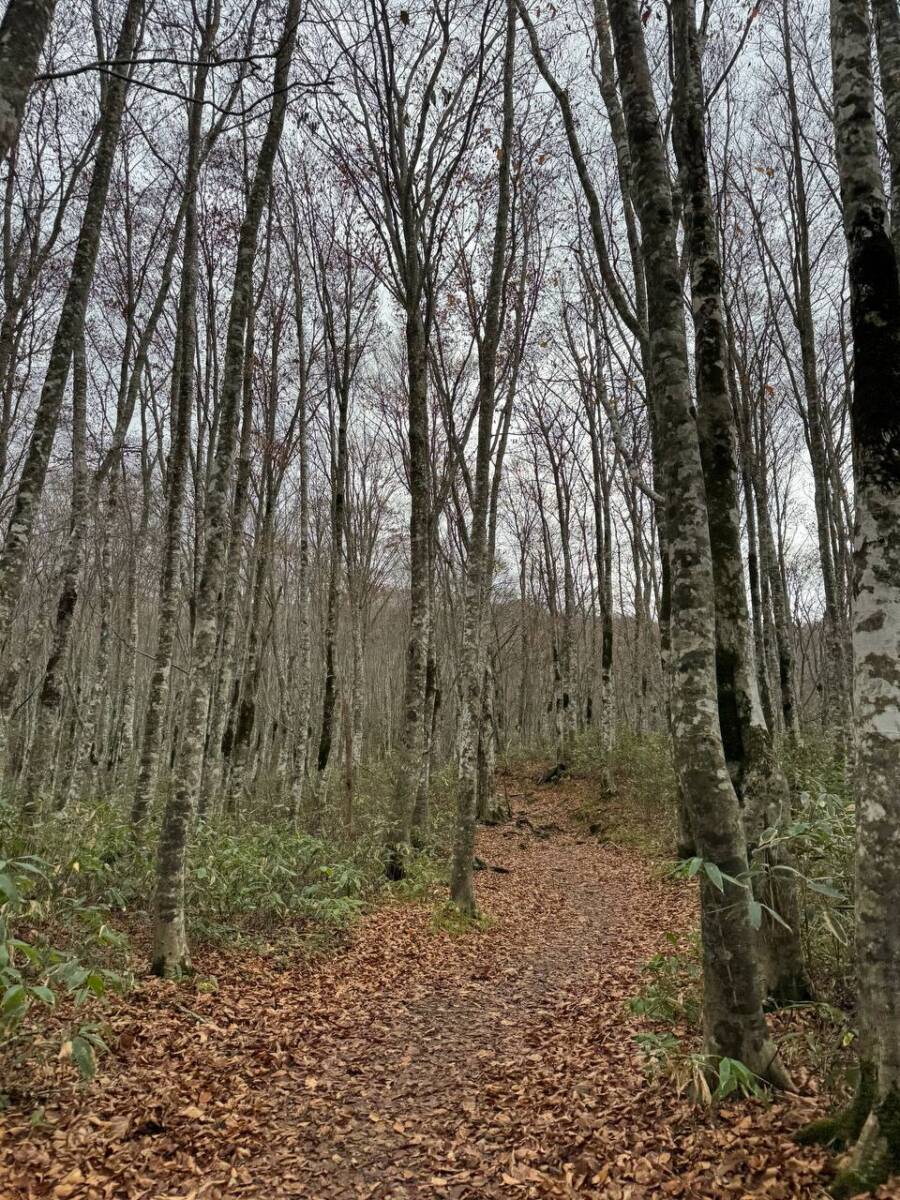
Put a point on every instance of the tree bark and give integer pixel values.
(887, 42)
(170, 953)
(179, 452)
(68, 330)
(299, 741)
(835, 683)
(478, 565)
(412, 748)
(23, 32)
(226, 693)
(875, 418)
(38, 774)
(733, 1019)
(760, 783)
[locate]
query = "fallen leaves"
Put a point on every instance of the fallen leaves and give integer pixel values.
(417, 1064)
(193, 1113)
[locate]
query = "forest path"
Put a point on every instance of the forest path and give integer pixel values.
(420, 1064)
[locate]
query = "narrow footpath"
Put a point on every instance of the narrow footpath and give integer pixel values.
(419, 1063)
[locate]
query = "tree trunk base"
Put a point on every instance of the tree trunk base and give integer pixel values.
(495, 811)
(842, 1128)
(769, 1067)
(790, 987)
(555, 774)
(171, 956)
(869, 1129)
(395, 862)
(751, 1046)
(875, 1157)
(462, 895)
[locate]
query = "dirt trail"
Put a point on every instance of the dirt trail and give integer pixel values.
(419, 1064)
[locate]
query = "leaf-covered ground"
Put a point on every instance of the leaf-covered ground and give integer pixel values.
(418, 1063)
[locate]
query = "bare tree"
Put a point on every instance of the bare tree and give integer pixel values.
(870, 1125)
(478, 563)
(733, 1018)
(23, 31)
(170, 949)
(749, 750)
(68, 331)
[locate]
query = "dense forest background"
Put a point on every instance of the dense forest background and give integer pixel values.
(390, 396)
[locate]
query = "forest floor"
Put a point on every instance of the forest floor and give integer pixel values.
(415, 1062)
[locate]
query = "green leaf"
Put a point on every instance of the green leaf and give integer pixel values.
(731, 879)
(91, 1034)
(829, 924)
(82, 1053)
(776, 916)
(726, 1080)
(33, 866)
(714, 875)
(96, 983)
(825, 889)
(755, 914)
(72, 973)
(45, 994)
(31, 952)
(9, 889)
(111, 937)
(15, 999)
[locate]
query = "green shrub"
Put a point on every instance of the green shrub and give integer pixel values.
(241, 874)
(448, 917)
(35, 974)
(815, 765)
(426, 875)
(822, 838)
(705, 1078)
(672, 997)
(672, 992)
(261, 877)
(639, 809)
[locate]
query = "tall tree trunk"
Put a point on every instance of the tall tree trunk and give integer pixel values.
(68, 330)
(299, 747)
(226, 693)
(90, 738)
(124, 746)
(595, 403)
(170, 948)
(749, 750)
(179, 453)
(887, 41)
(338, 490)
(422, 805)
(38, 774)
(23, 32)
(412, 748)
(354, 718)
(875, 418)
(253, 655)
(734, 1024)
(489, 808)
(773, 587)
(478, 566)
(762, 649)
(835, 689)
